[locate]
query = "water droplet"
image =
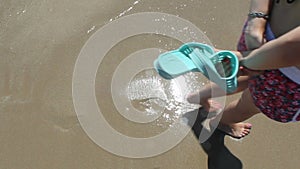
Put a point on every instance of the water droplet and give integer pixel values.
(91, 29)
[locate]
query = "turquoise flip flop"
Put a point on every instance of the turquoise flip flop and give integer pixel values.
(178, 62)
(198, 57)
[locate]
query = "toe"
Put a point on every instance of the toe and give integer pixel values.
(248, 125)
(246, 132)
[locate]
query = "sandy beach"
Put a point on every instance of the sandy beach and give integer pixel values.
(40, 43)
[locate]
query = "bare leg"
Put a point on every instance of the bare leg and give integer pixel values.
(237, 112)
(202, 96)
(234, 113)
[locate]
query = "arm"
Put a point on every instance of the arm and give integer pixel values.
(260, 6)
(281, 52)
(255, 28)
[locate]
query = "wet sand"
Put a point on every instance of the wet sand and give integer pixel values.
(39, 44)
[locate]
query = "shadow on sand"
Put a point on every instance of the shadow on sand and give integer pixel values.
(219, 157)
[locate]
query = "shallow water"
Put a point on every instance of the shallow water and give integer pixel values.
(153, 95)
(40, 42)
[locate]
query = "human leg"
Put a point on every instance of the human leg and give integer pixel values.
(203, 96)
(235, 113)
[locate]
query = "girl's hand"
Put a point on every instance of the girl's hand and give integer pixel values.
(224, 68)
(254, 33)
(244, 71)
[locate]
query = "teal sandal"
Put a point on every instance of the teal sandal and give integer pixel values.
(198, 57)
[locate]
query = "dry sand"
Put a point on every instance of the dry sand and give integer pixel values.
(39, 44)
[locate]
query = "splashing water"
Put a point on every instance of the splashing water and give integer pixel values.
(125, 11)
(91, 29)
(146, 92)
(151, 94)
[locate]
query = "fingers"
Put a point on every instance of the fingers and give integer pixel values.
(220, 69)
(224, 68)
(227, 66)
(243, 71)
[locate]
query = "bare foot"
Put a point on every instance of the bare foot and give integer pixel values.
(236, 130)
